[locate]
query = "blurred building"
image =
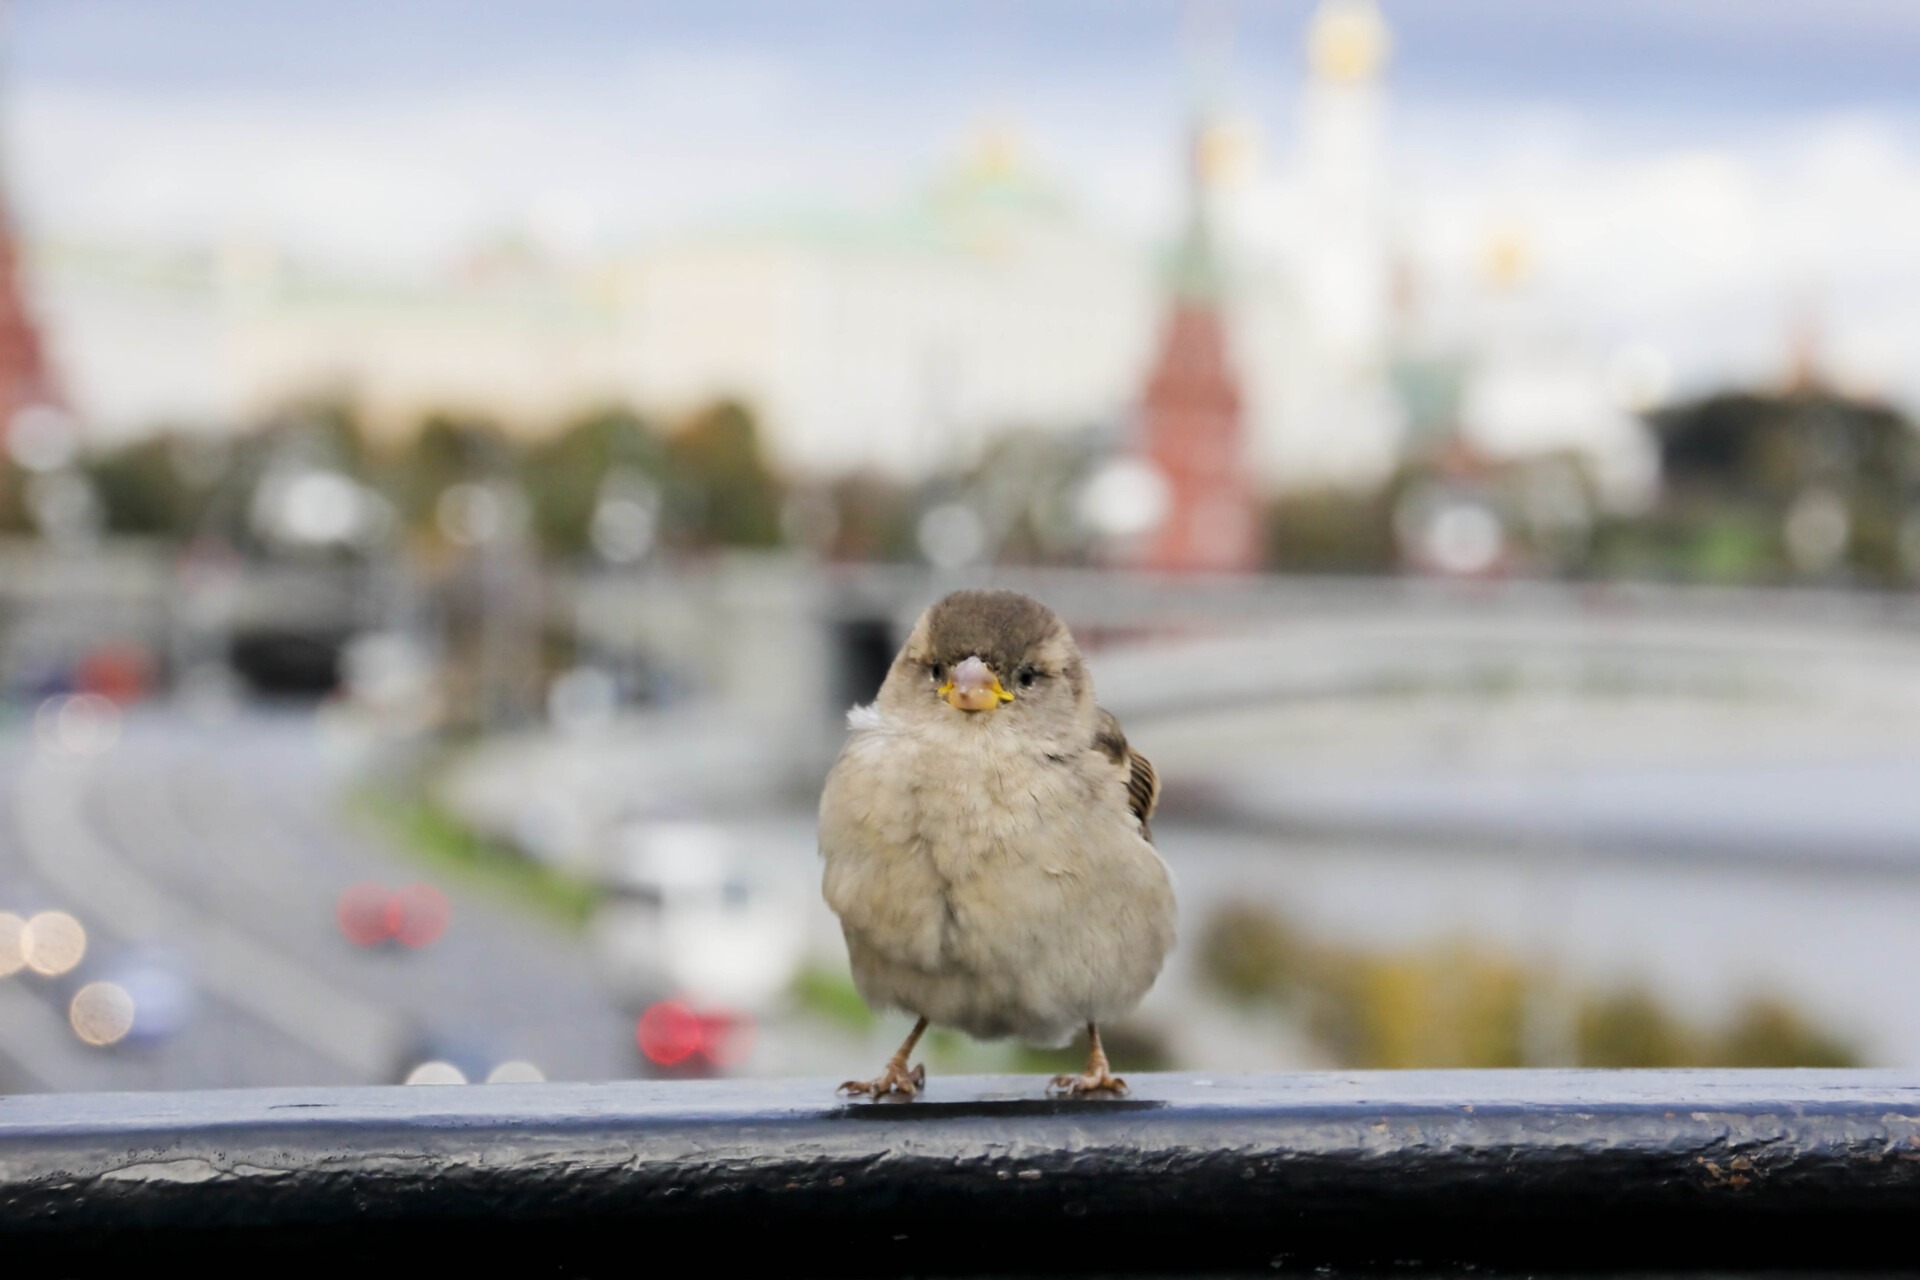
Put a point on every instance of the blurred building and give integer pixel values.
(1191, 430)
(26, 379)
(899, 343)
(1312, 253)
(989, 304)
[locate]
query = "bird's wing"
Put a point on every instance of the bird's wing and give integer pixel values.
(1143, 784)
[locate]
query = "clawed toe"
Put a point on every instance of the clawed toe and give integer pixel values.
(894, 1080)
(1090, 1083)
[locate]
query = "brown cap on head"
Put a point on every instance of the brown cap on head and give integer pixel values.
(1002, 628)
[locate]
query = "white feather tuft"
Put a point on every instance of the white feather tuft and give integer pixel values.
(867, 717)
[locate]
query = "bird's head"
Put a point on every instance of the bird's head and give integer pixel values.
(990, 658)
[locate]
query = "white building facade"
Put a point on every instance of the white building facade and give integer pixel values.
(897, 345)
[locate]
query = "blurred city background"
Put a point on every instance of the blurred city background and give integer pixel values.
(462, 461)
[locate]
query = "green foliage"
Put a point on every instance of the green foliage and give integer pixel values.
(1458, 1005)
(1768, 1033)
(1454, 1006)
(718, 457)
(1130, 1046)
(873, 519)
(831, 996)
(142, 490)
(1330, 531)
(563, 475)
(1731, 547)
(1026, 488)
(14, 517)
(446, 451)
(1630, 1028)
(436, 838)
(1734, 463)
(1250, 953)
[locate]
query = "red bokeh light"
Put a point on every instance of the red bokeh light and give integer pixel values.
(726, 1038)
(370, 914)
(418, 915)
(120, 673)
(671, 1033)
(362, 915)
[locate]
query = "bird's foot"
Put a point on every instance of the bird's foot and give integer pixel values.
(896, 1079)
(1099, 1081)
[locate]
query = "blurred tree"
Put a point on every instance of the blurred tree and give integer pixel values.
(565, 475)
(718, 455)
(1452, 1006)
(445, 451)
(1462, 1005)
(1331, 531)
(1027, 490)
(1806, 481)
(1249, 953)
(1768, 1033)
(14, 517)
(142, 489)
(872, 519)
(333, 425)
(1629, 1028)
(1132, 1046)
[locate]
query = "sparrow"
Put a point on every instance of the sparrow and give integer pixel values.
(986, 845)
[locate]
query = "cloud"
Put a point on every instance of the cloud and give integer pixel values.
(398, 179)
(1699, 233)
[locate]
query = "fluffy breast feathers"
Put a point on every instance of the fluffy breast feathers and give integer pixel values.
(998, 882)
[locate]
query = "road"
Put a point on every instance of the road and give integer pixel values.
(217, 851)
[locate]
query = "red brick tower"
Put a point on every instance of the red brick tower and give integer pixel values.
(25, 377)
(1190, 426)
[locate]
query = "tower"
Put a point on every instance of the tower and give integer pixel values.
(1319, 355)
(1191, 428)
(1343, 265)
(26, 380)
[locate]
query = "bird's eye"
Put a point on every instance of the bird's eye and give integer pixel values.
(939, 672)
(1026, 677)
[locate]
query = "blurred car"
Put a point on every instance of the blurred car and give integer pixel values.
(689, 920)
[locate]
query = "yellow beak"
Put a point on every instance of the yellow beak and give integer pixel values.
(974, 687)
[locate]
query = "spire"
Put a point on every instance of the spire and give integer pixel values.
(1348, 42)
(1195, 268)
(1190, 425)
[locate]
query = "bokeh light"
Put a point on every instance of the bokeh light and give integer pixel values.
(80, 724)
(669, 1033)
(362, 915)
(726, 1038)
(101, 1013)
(436, 1072)
(163, 997)
(417, 916)
(52, 943)
(13, 954)
(672, 1032)
(516, 1071)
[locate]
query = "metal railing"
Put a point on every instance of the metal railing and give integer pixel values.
(1522, 1170)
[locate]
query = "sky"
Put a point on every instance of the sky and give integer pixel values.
(1691, 171)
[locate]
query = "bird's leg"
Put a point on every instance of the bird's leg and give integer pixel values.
(896, 1078)
(1096, 1079)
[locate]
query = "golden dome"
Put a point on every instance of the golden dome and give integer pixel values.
(1509, 258)
(1349, 41)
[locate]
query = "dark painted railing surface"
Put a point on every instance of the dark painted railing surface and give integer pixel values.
(1520, 1171)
